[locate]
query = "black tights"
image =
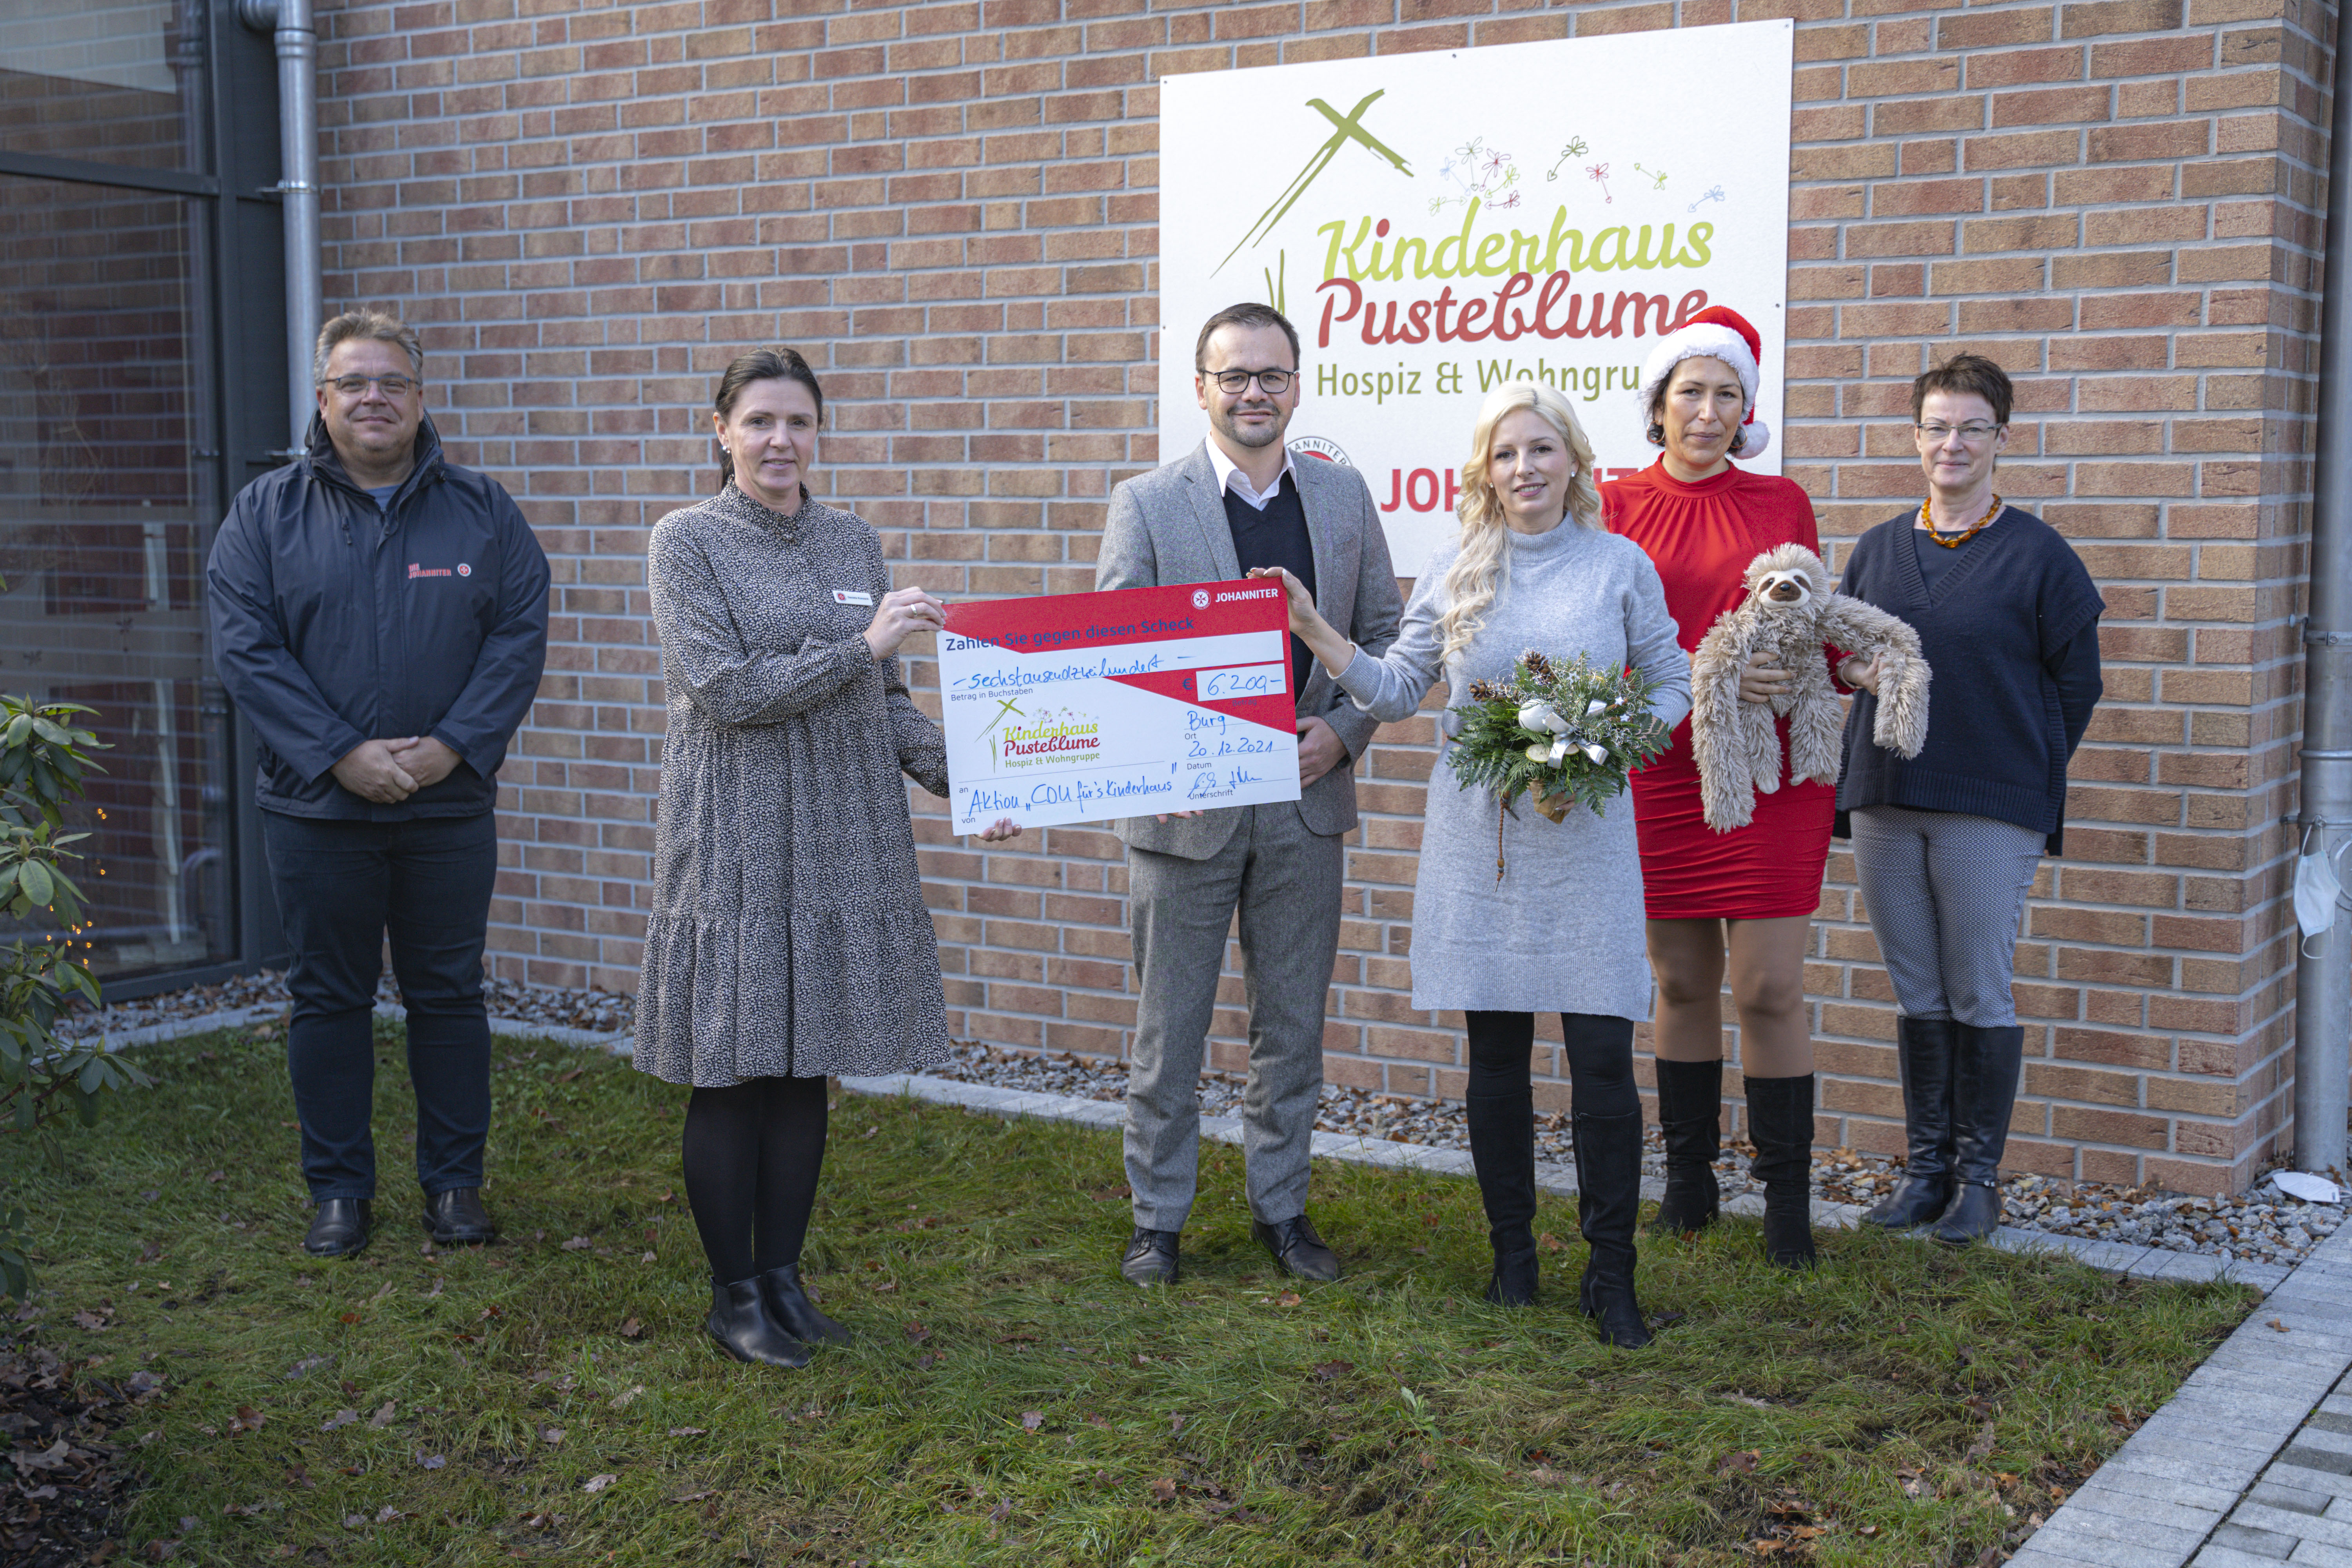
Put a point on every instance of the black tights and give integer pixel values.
(1499, 1101)
(1600, 1051)
(753, 1152)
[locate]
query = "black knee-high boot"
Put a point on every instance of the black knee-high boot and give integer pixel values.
(1503, 1152)
(1924, 1058)
(1780, 1125)
(1607, 1197)
(1985, 1065)
(1690, 1114)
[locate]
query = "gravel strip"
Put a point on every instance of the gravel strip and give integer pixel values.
(599, 1012)
(2262, 1224)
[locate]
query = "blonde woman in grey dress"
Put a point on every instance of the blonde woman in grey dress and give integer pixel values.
(788, 938)
(1561, 930)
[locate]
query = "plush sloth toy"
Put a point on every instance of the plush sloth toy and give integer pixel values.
(1790, 612)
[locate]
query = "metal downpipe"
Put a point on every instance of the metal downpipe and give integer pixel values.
(2323, 970)
(289, 24)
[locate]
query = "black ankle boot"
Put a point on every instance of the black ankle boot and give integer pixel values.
(789, 1305)
(1607, 1197)
(1690, 1114)
(1503, 1153)
(1780, 1125)
(1923, 1059)
(1985, 1065)
(739, 1321)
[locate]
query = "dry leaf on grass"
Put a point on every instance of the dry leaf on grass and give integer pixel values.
(1032, 1419)
(551, 1436)
(48, 1459)
(1165, 1490)
(598, 1483)
(1326, 1370)
(631, 1329)
(382, 1417)
(1740, 1462)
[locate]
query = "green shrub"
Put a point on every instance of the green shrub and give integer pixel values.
(43, 760)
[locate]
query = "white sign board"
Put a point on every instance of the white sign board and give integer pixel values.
(1435, 225)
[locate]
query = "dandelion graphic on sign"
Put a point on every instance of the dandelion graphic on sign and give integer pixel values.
(1599, 175)
(1349, 128)
(1479, 174)
(1005, 707)
(1576, 148)
(1714, 194)
(1656, 177)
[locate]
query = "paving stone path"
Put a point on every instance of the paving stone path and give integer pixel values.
(2249, 1464)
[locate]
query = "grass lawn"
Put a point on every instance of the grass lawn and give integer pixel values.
(1009, 1400)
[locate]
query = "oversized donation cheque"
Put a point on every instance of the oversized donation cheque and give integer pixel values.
(1079, 707)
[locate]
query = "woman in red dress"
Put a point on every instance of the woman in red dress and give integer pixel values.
(1741, 902)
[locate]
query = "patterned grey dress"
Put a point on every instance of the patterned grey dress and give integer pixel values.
(788, 936)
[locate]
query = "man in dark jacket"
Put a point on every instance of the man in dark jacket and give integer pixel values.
(380, 616)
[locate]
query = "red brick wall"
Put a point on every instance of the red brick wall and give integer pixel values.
(950, 208)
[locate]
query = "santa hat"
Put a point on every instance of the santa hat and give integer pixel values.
(1716, 333)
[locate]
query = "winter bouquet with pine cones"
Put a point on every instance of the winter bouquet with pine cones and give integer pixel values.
(1565, 732)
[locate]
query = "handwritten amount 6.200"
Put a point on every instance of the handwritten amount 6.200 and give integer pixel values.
(1234, 682)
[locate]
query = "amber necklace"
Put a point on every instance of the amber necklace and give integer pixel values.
(1954, 541)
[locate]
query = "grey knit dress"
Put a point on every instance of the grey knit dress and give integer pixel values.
(788, 936)
(1563, 932)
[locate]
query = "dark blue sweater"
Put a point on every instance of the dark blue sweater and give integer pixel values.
(2005, 711)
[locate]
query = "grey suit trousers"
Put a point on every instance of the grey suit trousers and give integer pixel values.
(1285, 880)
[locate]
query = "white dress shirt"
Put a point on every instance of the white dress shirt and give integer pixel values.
(1230, 477)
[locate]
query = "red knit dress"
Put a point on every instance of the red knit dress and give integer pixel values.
(1701, 538)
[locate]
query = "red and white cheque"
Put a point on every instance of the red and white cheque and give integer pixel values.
(1081, 706)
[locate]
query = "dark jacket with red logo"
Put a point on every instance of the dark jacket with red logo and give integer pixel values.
(334, 623)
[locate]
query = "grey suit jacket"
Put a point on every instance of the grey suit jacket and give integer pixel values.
(1168, 526)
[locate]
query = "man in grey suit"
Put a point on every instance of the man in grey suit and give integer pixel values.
(1235, 502)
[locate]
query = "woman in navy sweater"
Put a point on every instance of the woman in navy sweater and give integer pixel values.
(1946, 844)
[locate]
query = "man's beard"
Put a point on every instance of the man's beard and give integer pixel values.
(1266, 436)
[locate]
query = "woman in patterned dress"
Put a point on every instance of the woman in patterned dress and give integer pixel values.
(788, 938)
(1744, 901)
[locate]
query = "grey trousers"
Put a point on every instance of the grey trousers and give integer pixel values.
(1286, 881)
(1944, 892)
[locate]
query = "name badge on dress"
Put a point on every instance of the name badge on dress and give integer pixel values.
(851, 596)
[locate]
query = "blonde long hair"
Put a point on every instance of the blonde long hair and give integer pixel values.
(1482, 568)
